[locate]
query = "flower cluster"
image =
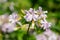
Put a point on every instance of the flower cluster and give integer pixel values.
(37, 16)
(31, 15)
(47, 35)
(8, 22)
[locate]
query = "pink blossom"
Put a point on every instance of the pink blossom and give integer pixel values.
(45, 24)
(41, 37)
(13, 17)
(30, 15)
(8, 27)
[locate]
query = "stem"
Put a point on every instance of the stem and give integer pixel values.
(28, 30)
(32, 26)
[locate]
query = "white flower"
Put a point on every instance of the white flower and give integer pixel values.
(41, 37)
(41, 13)
(45, 24)
(50, 35)
(42, 16)
(13, 17)
(8, 27)
(30, 15)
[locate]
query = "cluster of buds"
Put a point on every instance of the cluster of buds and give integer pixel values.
(38, 17)
(8, 22)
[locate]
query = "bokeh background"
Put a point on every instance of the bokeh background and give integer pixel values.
(52, 6)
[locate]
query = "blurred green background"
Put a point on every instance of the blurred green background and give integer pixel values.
(52, 6)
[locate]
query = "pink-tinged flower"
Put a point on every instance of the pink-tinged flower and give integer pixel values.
(48, 32)
(41, 13)
(41, 37)
(50, 35)
(42, 16)
(45, 24)
(30, 15)
(8, 27)
(13, 17)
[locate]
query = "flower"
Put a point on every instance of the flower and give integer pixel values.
(8, 27)
(45, 24)
(41, 37)
(50, 35)
(41, 13)
(30, 15)
(42, 16)
(13, 17)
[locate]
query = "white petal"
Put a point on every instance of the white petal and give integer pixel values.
(35, 17)
(28, 17)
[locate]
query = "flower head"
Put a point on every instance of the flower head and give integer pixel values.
(13, 17)
(30, 15)
(8, 27)
(40, 11)
(42, 19)
(45, 24)
(41, 37)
